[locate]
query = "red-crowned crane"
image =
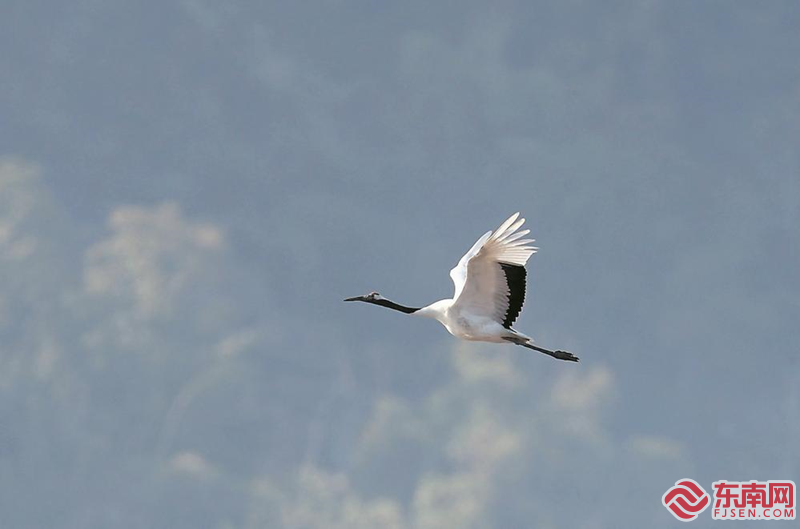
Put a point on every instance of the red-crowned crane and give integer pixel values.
(490, 291)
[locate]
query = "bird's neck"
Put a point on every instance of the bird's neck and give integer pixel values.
(437, 310)
(395, 306)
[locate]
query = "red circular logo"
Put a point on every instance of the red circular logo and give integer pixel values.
(686, 500)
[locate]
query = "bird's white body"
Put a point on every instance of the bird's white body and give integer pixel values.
(466, 325)
(489, 291)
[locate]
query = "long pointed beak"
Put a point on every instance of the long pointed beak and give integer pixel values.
(357, 298)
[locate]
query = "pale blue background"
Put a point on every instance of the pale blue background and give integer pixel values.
(189, 188)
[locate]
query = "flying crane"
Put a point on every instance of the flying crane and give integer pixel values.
(489, 291)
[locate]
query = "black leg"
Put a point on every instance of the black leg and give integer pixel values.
(560, 355)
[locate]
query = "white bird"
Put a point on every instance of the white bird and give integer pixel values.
(489, 293)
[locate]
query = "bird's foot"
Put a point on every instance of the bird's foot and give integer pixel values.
(565, 355)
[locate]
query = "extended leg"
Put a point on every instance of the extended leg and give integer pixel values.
(561, 355)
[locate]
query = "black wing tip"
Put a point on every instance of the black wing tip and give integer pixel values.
(515, 278)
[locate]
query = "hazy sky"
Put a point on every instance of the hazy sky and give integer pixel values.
(188, 189)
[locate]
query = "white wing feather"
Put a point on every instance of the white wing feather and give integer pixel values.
(480, 283)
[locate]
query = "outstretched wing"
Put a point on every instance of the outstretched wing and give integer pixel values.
(490, 278)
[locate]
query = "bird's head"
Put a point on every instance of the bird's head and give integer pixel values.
(372, 297)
